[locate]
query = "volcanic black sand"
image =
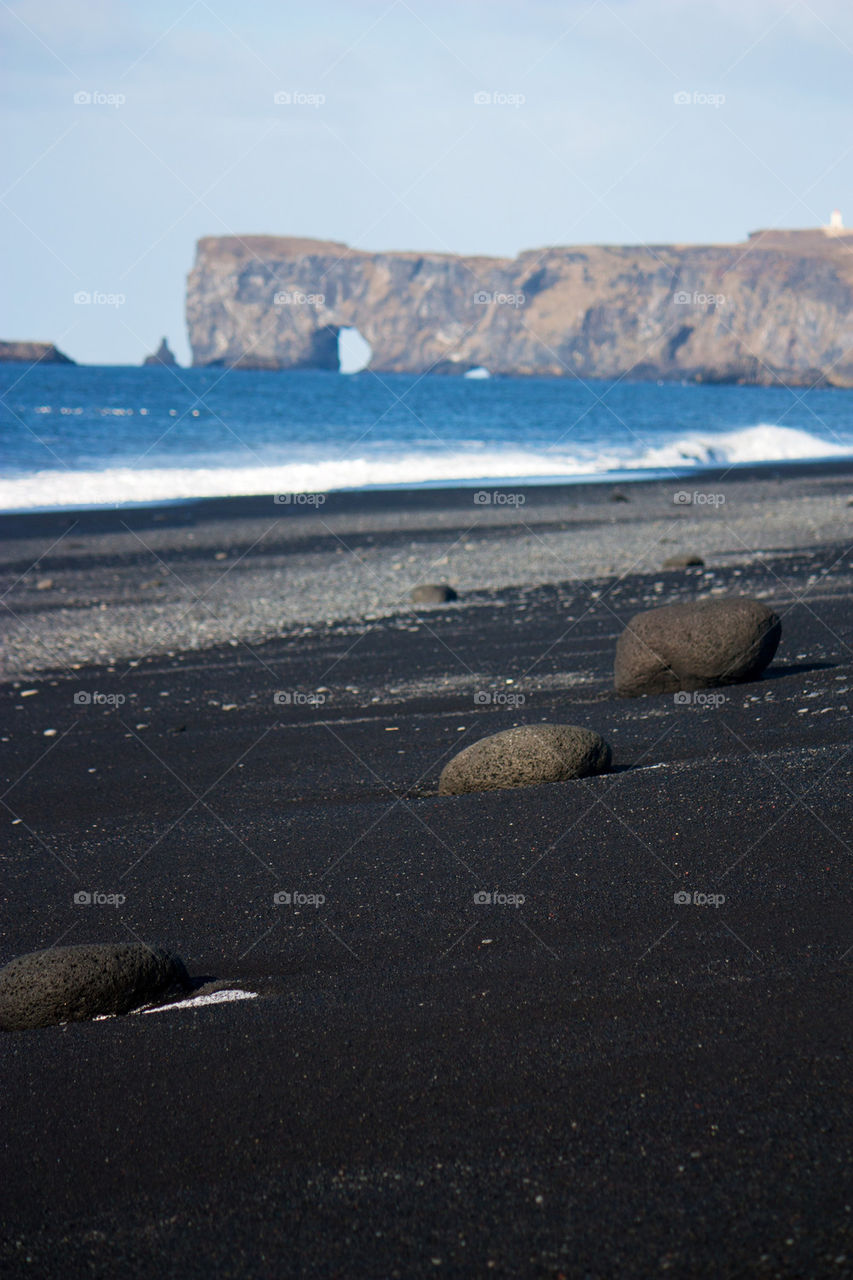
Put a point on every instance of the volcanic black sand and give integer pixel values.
(599, 1081)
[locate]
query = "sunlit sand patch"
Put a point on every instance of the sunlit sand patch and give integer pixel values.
(196, 1002)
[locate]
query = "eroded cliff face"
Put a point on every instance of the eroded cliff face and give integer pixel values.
(778, 308)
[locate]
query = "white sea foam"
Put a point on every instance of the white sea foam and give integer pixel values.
(121, 485)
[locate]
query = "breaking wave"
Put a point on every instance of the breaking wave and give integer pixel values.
(452, 467)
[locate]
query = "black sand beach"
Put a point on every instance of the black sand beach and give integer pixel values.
(599, 1081)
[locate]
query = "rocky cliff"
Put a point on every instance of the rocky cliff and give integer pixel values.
(778, 308)
(33, 353)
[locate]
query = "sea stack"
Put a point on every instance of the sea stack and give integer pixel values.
(163, 355)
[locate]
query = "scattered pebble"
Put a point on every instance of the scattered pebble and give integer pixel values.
(687, 561)
(433, 593)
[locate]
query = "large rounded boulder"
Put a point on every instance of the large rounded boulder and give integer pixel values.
(524, 757)
(70, 984)
(695, 646)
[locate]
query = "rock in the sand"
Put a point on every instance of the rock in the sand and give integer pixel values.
(684, 562)
(433, 593)
(70, 984)
(695, 646)
(525, 756)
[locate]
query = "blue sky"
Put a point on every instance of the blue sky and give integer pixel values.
(386, 142)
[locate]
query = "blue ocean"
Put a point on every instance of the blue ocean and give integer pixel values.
(85, 436)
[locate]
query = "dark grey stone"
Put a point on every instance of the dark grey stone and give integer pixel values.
(433, 593)
(684, 562)
(695, 646)
(524, 757)
(69, 984)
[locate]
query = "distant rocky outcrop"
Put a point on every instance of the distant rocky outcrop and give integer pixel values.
(775, 309)
(163, 355)
(33, 353)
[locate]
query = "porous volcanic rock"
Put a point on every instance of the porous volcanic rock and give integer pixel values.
(524, 757)
(695, 646)
(70, 984)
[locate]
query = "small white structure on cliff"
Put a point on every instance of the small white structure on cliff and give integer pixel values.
(836, 226)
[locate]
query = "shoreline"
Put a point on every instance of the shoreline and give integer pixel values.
(432, 495)
(105, 586)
